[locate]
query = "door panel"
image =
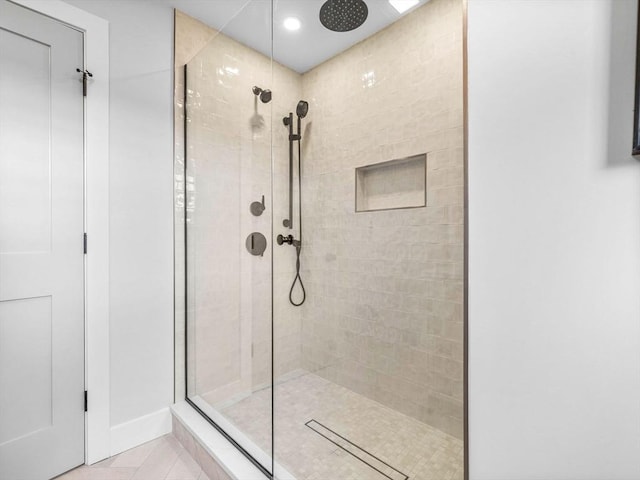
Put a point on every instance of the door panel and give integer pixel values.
(41, 257)
(25, 182)
(25, 340)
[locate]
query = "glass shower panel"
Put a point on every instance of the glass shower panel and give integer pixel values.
(228, 230)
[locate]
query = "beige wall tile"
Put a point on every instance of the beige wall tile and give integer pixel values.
(386, 304)
(383, 314)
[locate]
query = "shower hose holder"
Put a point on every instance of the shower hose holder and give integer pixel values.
(281, 239)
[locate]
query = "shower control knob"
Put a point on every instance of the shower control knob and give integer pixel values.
(257, 207)
(280, 239)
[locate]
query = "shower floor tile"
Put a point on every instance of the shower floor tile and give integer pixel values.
(408, 446)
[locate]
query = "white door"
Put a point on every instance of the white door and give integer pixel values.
(41, 246)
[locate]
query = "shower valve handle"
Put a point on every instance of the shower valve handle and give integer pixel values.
(280, 239)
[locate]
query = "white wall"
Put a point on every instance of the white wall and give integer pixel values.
(141, 205)
(554, 389)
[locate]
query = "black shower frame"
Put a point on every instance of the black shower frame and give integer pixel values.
(636, 111)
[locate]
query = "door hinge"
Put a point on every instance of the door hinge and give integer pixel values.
(86, 402)
(85, 75)
(84, 243)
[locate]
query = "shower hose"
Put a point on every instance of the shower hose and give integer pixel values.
(298, 244)
(297, 279)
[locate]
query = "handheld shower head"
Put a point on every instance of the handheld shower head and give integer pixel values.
(302, 109)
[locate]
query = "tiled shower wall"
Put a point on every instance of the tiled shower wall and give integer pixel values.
(384, 305)
(190, 36)
(229, 167)
(384, 314)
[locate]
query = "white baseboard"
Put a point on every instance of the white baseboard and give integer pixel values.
(140, 430)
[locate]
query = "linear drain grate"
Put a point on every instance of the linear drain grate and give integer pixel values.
(356, 451)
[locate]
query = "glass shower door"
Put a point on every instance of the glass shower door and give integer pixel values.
(228, 232)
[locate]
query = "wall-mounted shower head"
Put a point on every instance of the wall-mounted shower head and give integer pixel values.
(265, 95)
(343, 15)
(302, 109)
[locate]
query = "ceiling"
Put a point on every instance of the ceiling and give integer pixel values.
(249, 22)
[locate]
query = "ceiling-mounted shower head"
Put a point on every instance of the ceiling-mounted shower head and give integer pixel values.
(302, 109)
(343, 15)
(265, 95)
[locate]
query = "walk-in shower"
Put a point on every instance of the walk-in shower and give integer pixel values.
(320, 235)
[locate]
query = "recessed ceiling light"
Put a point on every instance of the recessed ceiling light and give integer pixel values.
(292, 23)
(403, 5)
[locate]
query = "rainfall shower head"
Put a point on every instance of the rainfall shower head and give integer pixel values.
(265, 95)
(343, 15)
(302, 109)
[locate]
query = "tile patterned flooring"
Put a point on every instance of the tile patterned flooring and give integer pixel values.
(417, 450)
(160, 459)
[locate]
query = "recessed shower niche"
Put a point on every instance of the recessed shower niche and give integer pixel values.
(363, 370)
(400, 183)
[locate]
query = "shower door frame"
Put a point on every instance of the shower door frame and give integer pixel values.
(465, 261)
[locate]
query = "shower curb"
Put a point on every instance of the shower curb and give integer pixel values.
(218, 458)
